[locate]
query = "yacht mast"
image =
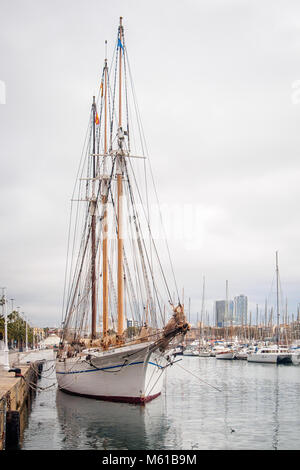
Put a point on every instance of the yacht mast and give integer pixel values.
(266, 313)
(104, 202)
(93, 229)
(203, 302)
(120, 194)
(277, 291)
(226, 311)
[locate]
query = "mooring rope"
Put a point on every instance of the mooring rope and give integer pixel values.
(201, 380)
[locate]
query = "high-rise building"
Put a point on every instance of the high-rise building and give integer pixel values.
(223, 319)
(241, 309)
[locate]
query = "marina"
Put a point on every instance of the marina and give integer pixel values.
(249, 412)
(240, 405)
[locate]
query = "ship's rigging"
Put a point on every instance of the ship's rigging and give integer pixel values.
(115, 270)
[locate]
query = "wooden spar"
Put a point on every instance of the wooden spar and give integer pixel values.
(119, 207)
(93, 234)
(120, 257)
(105, 226)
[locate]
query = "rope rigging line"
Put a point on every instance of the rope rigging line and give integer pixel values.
(70, 305)
(144, 163)
(201, 380)
(83, 153)
(150, 233)
(76, 305)
(143, 139)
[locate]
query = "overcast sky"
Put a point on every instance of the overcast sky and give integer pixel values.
(218, 86)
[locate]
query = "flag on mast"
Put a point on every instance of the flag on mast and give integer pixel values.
(120, 44)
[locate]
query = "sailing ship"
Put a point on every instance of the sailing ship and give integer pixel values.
(275, 354)
(225, 352)
(203, 350)
(114, 270)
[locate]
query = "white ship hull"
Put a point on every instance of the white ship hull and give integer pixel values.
(241, 356)
(296, 359)
(130, 374)
(225, 355)
(204, 354)
(190, 352)
(269, 358)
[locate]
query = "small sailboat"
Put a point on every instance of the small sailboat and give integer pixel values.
(115, 338)
(203, 350)
(274, 354)
(225, 352)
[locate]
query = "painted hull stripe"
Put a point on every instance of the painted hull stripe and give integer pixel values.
(134, 400)
(110, 367)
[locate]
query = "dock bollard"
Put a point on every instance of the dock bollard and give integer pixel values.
(17, 371)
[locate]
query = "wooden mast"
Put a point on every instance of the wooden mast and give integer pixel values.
(104, 202)
(120, 196)
(93, 231)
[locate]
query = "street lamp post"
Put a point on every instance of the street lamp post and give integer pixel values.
(26, 334)
(26, 330)
(20, 338)
(4, 309)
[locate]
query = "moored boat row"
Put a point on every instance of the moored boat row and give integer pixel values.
(260, 352)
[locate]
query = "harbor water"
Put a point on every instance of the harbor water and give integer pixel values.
(205, 404)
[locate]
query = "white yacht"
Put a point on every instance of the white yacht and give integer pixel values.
(296, 357)
(190, 351)
(225, 353)
(204, 353)
(271, 355)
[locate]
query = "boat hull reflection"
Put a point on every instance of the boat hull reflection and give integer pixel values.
(87, 423)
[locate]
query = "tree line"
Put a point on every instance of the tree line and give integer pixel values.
(16, 331)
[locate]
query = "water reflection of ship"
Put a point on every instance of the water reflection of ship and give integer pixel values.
(90, 424)
(275, 437)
